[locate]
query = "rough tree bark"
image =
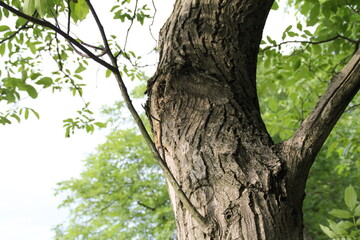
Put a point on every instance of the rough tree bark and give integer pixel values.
(206, 122)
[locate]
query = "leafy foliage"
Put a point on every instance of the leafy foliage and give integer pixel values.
(291, 75)
(24, 45)
(349, 225)
(120, 194)
(293, 72)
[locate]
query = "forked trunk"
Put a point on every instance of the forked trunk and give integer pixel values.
(206, 121)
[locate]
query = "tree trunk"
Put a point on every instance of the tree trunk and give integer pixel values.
(206, 121)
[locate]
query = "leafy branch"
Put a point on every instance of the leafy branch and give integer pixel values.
(113, 67)
(51, 26)
(24, 26)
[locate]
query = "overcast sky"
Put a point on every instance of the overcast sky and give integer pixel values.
(35, 155)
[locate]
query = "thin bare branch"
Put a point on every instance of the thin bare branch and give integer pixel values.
(146, 206)
(131, 23)
(351, 108)
(312, 42)
(153, 20)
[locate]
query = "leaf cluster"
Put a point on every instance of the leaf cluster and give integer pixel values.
(348, 227)
(120, 194)
(292, 75)
(24, 44)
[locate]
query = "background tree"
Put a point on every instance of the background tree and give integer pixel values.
(228, 178)
(120, 194)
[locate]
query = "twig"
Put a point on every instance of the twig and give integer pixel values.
(146, 206)
(314, 72)
(352, 107)
(311, 42)
(14, 34)
(153, 20)
(131, 23)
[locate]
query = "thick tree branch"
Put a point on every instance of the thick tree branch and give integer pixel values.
(51, 26)
(318, 125)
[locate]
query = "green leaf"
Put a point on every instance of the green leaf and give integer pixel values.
(34, 76)
(346, 224)
(340, 213)
(4, 28)
(35, 113)
(325, 9)
(2, 49)
(270, 40)
(29, 7)
(335, 228)
(31, 91)
(16, 117)
(6, 13)
(26, 114)
(107, 73)
(358, 222)
(32, 47)
(4, 120)
(293, 34)
(299, 26)
(89, 128)
(67, 132)
(316, 49)
(275, 6)
(288, 28)
(307, 32)
(100, 124)
(297, 64)
(273, 104)
(314, 15)
(43, 6)
(46, 81)
(357, 211)
(80, 69)
(79, 10)
(327, 231)
(350, 197)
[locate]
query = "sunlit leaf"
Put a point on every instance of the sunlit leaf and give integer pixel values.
(79, 10)
(340, 213)
(350, 197)
(45, 81)
(275, 6)
(31, 91)
(327, 231)
(4, 28)
(29, 7)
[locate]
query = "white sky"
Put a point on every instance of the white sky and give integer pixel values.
(35, 155)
